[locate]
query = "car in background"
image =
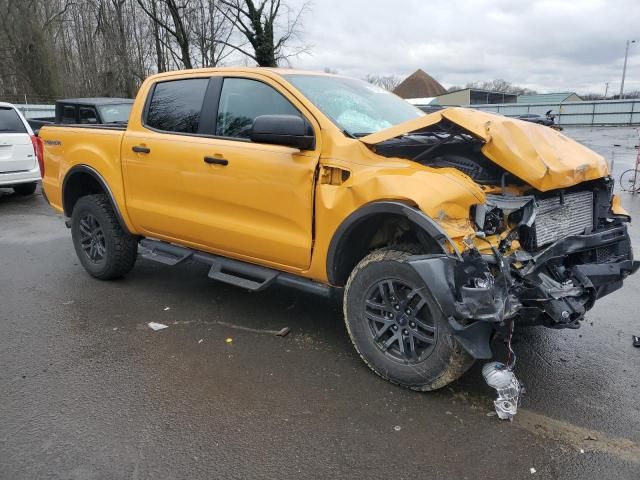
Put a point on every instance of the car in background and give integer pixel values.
(87, 111)
(548, 119)
(430, 108)
(19, 148)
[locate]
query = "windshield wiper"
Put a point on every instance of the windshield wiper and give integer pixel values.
(347, 134)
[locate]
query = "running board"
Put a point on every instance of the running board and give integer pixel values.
(234, 272)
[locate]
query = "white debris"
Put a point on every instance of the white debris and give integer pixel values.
(201, 340)
(502, 378)
(582, 450)
(532, 470)
(167, 308)
(157, 326)
(397, 428)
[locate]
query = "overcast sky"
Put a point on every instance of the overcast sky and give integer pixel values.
(545, 45)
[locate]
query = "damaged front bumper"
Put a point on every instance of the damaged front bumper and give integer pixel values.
(553, 287)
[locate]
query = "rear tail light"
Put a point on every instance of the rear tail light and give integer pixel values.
(39, 151)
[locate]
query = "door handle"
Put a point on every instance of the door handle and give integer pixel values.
(140, 149)
(216, 161)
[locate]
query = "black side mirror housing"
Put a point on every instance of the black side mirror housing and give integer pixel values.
(287, 130)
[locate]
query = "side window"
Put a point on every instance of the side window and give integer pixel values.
(242, 100)
(69, 114)
(88, 115)
(176, 105)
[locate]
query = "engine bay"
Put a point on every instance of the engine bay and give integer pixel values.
(446, 145)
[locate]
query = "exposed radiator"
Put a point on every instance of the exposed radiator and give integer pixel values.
(556, 220)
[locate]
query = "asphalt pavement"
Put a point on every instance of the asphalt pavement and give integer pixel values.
(89, 391)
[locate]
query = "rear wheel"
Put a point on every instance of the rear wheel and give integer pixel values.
(105, 250)
(397, 327)
(25, 188)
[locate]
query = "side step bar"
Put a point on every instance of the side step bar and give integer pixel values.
(234, 272)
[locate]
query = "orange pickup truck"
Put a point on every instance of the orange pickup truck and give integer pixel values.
(438, 231)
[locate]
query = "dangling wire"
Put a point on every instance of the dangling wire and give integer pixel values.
(511, 356)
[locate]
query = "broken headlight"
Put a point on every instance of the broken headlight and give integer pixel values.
(489, 220)
(502, 212)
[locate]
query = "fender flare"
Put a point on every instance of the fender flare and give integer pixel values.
(86, 169)
(375, 208)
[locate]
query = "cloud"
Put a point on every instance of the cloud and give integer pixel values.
(548, 45)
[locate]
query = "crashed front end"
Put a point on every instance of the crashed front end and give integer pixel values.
(549, 239)
(556, 255)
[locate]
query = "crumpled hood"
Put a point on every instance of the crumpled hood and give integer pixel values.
(541, 156)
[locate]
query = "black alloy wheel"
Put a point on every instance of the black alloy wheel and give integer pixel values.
(92, 238)
(399, 322)
(397, 326)
(104, 248)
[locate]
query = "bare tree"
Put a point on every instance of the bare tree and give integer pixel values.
(388, 82)
(500, 85)
(592, 96)
(175, 27)
(27, 57)
(256, 23)
(112, 24)
(211, 32)
(62, 48)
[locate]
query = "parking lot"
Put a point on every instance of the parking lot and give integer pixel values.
(89, 391)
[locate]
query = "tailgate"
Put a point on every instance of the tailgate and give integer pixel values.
(16, 149)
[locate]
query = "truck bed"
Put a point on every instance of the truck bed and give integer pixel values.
(93, 146)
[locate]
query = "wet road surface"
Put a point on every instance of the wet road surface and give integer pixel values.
(89, 391)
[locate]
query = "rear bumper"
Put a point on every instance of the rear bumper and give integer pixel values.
(554, 287)
(15, 178)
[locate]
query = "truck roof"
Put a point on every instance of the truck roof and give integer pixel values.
(96, 100)
(271, 71)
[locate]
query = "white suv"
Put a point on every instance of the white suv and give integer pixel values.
(19, 152)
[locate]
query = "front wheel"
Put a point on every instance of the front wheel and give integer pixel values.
(105, 250)
(397, 327)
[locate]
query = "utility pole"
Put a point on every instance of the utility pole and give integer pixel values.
(624, 68)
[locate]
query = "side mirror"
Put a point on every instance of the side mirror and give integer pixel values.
(286, 130)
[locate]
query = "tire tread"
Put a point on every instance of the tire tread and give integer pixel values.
(125, 250)
(460, 361)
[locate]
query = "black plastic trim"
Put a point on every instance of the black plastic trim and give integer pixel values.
(377, 208)
(209, 110)
(91, 126)
(94, 173)
(576, 243)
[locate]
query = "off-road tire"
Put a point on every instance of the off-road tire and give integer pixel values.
(25, 188)
(446, 362)
(120, 248)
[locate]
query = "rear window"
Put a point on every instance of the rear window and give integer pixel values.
(69, 114)
(118, 113)
(175, 105)
(10, 121)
